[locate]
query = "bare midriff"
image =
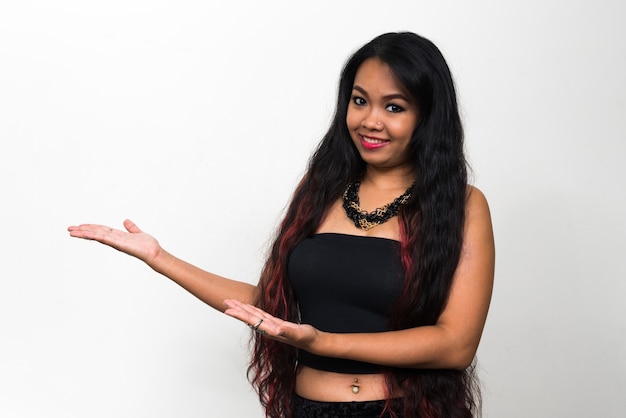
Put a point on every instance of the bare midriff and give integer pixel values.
(319, 385)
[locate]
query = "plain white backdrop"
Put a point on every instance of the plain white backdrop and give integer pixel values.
(196, 119)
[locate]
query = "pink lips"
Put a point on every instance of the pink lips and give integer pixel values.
(372, 143)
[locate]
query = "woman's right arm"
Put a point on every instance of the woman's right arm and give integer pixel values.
(208, 287)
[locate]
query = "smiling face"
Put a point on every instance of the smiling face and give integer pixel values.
(381, 116)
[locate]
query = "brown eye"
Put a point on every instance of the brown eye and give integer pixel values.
(359, 101)
(395, 108)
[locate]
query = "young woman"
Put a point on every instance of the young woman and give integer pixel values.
(374, 296)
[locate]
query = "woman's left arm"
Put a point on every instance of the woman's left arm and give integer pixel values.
(449, 344)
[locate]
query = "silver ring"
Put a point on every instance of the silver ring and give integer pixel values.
(256, 326)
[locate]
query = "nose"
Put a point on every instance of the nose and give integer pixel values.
(372, 122)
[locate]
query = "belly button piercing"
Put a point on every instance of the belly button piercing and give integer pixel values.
(355, 386)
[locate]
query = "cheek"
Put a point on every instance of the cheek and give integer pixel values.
(402, 129)
(352, 120)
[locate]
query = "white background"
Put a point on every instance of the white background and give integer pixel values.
(196, 120)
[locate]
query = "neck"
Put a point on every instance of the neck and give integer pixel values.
(389, 179)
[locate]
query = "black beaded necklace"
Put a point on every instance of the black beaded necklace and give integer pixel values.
(365, 220)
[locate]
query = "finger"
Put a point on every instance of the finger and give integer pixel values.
(131, 227)
(90, 231)
(259, 321)
(251, 316)
(248, 309)
(236, 310)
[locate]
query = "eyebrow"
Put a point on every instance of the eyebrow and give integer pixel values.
(387, 97)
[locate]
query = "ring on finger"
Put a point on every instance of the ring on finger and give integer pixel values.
(256, 326)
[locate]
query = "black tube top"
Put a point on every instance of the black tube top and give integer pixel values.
(345, 284)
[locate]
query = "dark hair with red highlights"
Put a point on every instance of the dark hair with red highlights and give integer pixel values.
(431, 230)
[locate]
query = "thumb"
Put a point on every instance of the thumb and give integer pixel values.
(131, 227)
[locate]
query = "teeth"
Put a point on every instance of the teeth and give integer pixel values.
(372, 140)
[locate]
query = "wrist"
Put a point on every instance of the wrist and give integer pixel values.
(323, 344)
(159, 261)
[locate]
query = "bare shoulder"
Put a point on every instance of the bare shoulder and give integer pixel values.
(478, 239)
(478, 227)
(476, 199)
(477, 207)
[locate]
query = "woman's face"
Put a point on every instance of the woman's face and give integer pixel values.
(381, 116)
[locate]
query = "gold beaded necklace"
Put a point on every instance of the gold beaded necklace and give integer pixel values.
(364, 220)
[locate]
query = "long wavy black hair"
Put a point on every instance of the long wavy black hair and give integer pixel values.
(431, 230)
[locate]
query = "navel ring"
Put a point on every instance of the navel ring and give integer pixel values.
(355, 386)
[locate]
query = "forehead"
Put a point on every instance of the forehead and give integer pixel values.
(375, 75)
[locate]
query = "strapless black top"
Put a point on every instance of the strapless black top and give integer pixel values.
(345, 284)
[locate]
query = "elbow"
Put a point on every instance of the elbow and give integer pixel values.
(459, 350)
(454, 358)
(462, 363)
(457, 354)
(462, 357)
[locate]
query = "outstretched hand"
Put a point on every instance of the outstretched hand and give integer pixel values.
(134, 242)
(298, 335)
